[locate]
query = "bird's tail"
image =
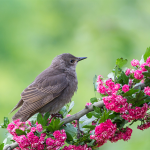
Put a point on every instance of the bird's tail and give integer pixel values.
(17, 106)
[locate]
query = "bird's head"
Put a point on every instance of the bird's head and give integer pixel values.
(66, 61)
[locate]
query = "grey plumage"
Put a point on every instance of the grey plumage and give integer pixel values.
(51, 89)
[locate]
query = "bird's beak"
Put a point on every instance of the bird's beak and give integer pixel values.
(81, 58)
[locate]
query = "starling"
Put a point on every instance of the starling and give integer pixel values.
(51, 89)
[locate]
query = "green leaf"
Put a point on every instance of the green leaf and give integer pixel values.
(147, 74)
(63, 111)
(147, 54)
(130, 92)
(94, 82)
(71, 106)
(93, 100)
(89, 115)
(1, 146)
(104, 116)
(46, 116)
(50, 128)
(40, 119)
(97, 109)
(95, 114)
(6, 121)
(69, 128)
(124, 78)
(120, 62)
(69, 136)
(20, 132)
(91, 127)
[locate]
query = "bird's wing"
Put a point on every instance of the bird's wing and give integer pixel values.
(39, 93)
(46, 86)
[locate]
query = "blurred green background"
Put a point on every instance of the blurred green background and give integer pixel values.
(33, 32)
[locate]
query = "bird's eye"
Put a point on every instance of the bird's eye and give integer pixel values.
(72, 61)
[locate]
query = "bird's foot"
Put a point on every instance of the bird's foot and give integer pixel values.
(79, 132)
(57, 115)
(9, 148)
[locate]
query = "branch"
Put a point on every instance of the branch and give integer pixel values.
(11, 146)
(82, 112)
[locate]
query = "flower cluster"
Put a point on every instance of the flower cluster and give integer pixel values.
(116, 103)
(110, 88)
(74, 147)
(135, 113)
(103, 132)
(147, 90)
(124, 134)
(31, 141)
(58, 142)
(144, 126)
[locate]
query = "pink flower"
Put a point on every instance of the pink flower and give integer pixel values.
(39, 128)
(99, 80)
(138, 74)
(125, 88)
(103, 132)
(29, 122)
(10, 127)
(144, 126)
(117, 87)
(135, 62)
(33, 129)
(143, 66)
(135, 113)
(101, 89)
(147, 90)
(124, 133)
(15, 121)
(130, 83)
(127, 72)
(88, 104)
(68, 115)
(148, 60)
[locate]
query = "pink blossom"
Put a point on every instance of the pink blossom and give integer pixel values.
(148, 60)
(138, 74)
(29, 122)
(130, 83)
(147, 90)
(103, 132)
(116, 103)
(33, 129)
(125, 88)
(68, 115)
(127, 72)
(10, 127)
(144, 126)
(135, 62)
(74, 147)
(101, 89)
(88, 104)
(15, 121)
(99, 80)
(124, 133)
(39, 128)
(135, 113)
(143, 66)
(117, 87)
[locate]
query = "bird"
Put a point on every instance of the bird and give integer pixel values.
(51, 89)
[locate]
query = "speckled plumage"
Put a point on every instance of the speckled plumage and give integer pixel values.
(51, 89)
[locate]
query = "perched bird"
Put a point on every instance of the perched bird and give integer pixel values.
(51, 89)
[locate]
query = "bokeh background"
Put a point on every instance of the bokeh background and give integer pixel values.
(33, 32)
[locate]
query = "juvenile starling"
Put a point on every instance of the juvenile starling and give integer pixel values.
(51, 89)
